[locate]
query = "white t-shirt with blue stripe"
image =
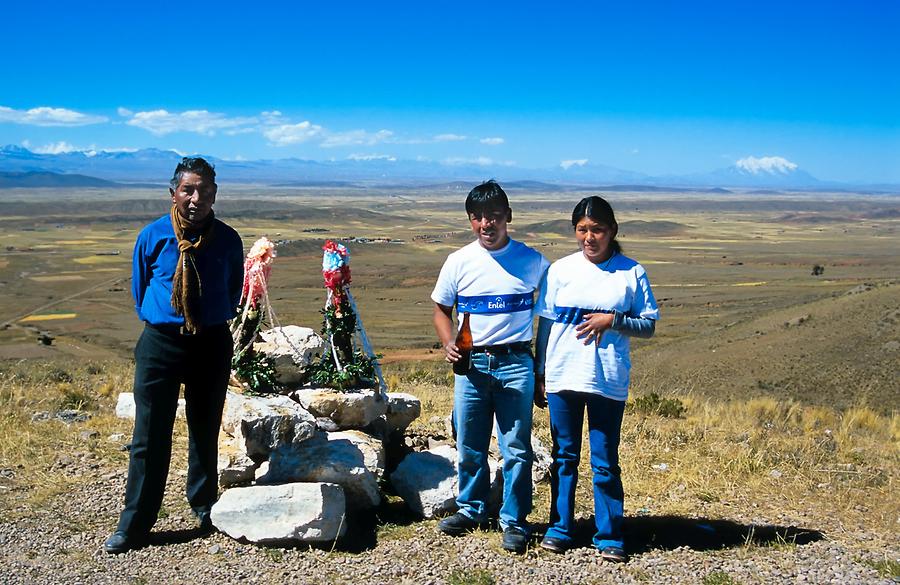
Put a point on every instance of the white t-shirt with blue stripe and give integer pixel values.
(496, 287)
(574, 287)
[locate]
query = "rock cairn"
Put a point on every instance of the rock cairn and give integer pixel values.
(293, 465)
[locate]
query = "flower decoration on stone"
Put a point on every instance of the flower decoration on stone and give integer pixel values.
(257, 268)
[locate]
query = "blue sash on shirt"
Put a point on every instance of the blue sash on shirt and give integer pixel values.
(569, 315)
(486, 304)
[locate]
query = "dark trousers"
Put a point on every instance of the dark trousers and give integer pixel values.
(165, 359)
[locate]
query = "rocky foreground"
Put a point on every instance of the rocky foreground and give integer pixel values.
(63, 544)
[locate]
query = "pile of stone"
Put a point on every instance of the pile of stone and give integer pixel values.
(293, 465)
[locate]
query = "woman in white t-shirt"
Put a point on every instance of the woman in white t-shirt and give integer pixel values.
(591, 303)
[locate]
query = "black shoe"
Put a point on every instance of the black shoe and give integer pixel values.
(515, 540)
(457, 524)
(557, 545)
(613, 554)
(120, 542)
(205, 521)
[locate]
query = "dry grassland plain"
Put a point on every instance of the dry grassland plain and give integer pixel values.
(788, 381)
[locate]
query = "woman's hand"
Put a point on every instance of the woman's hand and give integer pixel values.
(540, 392)
(593, 326)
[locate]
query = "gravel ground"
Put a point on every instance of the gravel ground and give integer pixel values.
(63, 544)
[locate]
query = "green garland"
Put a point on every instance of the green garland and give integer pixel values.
(338, 325)
(252, 368)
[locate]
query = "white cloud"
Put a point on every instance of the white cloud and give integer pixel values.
(766, 164)
(365, 157)
(64, 147)
(449, 138)
(61, 147)
(481, 161)
(124, 112)
(161, 122)
(492, 141)
(44, 116)
(287, 134)
(578, 162)
(355, 138)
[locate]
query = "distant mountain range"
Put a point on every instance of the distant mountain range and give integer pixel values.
(20, 167)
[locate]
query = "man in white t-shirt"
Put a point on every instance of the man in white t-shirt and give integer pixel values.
(494, 280)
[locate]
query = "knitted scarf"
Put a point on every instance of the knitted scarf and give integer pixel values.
(186, 289)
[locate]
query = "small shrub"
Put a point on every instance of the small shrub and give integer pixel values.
(275, 555)
(73, 397)
(653, 403)
(58, 374)
(470, 577)
(718, 578)
(886, 567)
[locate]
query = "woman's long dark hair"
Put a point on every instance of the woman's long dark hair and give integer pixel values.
(598, 209)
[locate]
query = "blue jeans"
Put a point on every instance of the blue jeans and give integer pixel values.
(500, 385)
(604, 427)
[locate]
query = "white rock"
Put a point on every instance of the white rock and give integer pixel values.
(428, 483)
(351, 459)
(541, 463)
(302, 512)
(540, 469)
(402, 410)
(292, 349)
(125, 407)
(353, 409)
(234, 465)
(265, 423)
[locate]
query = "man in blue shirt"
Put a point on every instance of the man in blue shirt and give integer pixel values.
(186, 282)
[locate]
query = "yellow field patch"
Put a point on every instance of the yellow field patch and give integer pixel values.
(685, 285)
(4, 263)
(657, 262)
(760, 283)
(99, 260)
(57, 278)
(53, 317)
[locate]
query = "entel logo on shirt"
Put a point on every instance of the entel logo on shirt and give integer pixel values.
(497, 303)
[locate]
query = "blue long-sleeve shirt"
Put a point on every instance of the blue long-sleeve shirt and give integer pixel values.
(220, 265)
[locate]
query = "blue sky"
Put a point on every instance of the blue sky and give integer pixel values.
(661, 88)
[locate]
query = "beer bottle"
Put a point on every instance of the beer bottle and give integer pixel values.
(464, 345)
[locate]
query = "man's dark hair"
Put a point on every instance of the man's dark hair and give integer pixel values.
(193, 164)
(598, 209)
(487, 196)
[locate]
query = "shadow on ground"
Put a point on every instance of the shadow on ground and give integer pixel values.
(644, 533)
(164, 537)
(363, 527)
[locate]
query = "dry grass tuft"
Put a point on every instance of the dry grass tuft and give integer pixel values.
(36, 446)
